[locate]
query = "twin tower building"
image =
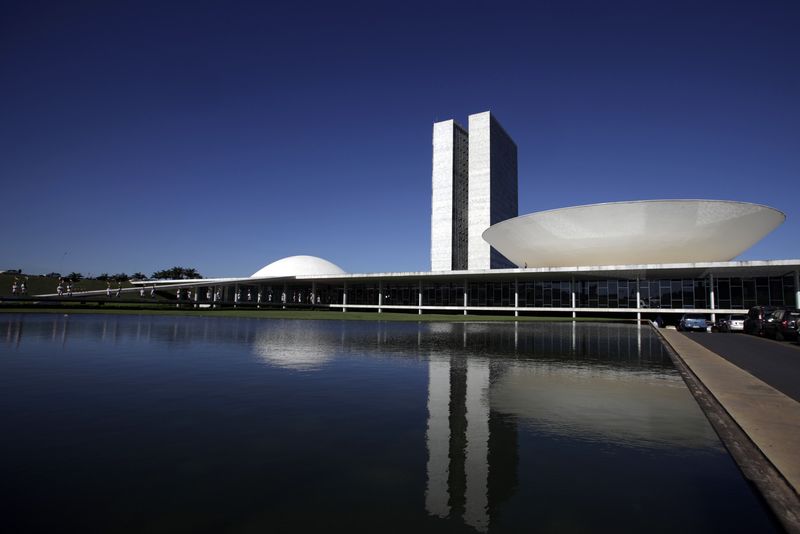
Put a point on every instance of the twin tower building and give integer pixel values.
(474, 187)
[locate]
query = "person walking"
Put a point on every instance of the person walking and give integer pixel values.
(108, 289)
(69, 289)
(60, 289)
(119, 289)
(14, 288)
(23, 288)
(141, 292)
(153, 292)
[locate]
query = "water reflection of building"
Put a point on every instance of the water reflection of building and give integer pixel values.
(297, 349)
(472, 452)
(589, 383)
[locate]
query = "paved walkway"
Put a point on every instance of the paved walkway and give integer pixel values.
(775, 362)
(770, 418)
(759, 425)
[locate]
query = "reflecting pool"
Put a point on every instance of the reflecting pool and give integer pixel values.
(196, 424)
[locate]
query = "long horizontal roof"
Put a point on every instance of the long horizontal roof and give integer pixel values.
(652, 270)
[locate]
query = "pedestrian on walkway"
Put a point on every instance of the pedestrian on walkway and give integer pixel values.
(153, 292)
(60, 289)
(141, 292)
(119, 289)
(14, 287)
(108, 289)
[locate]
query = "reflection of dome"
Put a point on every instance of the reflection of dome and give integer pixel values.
(626, 233)
(293, 348)
(638, 409)
(297, 266)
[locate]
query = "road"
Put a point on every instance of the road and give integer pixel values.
(775, 362)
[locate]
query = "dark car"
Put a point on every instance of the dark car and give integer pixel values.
(692, 321)
(782, 324)
(756, 317)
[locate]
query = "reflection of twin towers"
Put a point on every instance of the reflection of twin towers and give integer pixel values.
(472, 452)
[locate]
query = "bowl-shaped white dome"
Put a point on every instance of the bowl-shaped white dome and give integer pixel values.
(298, 266)
(639, 232)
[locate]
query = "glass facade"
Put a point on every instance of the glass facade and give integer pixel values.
(738, 293)
(447, 294)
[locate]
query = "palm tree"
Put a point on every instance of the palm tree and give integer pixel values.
(177, 273)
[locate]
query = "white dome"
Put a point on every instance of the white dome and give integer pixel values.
(626, 233)
(298, 266)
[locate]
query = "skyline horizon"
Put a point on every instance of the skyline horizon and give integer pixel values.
(142, 136)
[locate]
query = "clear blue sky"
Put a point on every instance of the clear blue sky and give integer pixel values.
(225, 135)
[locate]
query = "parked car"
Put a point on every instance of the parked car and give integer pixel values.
(731, 323)
(782, 324)
(756, 317)
(691, 321)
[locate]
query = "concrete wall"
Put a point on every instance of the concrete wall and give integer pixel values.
(442, 196)
(492, 187)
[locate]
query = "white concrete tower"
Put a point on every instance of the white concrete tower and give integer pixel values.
(449, 197)
(492, 187)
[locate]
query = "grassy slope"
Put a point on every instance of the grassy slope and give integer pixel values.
(38, 285)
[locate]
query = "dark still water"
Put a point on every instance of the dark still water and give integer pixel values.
(182, 424)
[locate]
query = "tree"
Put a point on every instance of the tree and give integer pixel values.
(138, 276)
(53, 275)
(120, 277)
(103, 276)
(75, 277)
(177, 273)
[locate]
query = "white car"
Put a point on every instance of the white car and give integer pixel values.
(734, 323)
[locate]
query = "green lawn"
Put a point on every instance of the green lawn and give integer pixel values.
(39, 285)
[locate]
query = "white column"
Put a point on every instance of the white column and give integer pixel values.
(711, 295)
(465, 297)
(572, 289)
(638, 301)
(236, 296)
(313, 294)
(380, 296)
(419, 299)
(344, 297)
(797, 289)
(516, 297)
